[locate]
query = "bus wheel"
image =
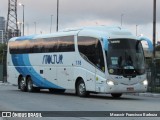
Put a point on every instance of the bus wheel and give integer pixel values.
(30, 87)
(116, 95)
(81, 89)
(22, 85)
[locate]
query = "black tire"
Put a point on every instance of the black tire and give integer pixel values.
(22, 85)
(53, 90)
(30, 87)
(116, 95)
(81, 89)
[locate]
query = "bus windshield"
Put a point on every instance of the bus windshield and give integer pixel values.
(125, 57)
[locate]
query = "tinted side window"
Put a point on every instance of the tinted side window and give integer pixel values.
(65, 44)
(49, 45)
(43, 45)
(91, 50)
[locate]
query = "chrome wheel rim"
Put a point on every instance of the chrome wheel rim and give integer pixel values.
(29, 85)
(82, 88)
(22, 84)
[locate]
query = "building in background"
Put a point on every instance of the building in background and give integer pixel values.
(2, 29)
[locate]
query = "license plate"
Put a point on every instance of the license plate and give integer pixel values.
(130, 89)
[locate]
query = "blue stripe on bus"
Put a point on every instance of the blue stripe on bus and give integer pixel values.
(20, 60)
(25, 37)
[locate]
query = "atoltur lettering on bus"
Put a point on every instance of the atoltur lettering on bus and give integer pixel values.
(52, 59)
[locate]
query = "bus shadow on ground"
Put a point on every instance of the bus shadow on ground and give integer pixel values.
(92, 96)
(95, 96)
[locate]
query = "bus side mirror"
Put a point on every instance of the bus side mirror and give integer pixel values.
(105, 44)
(150, 45)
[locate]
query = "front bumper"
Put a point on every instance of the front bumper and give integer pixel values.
(121, 88)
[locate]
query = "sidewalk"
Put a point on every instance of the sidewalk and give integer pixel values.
(147, 94)
(2, 83)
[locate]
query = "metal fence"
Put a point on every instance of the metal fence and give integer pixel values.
(1, 72)
(153, 76)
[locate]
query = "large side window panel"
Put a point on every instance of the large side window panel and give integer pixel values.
(66, 44)
(43, 45)
(87, 48)
(91, 50)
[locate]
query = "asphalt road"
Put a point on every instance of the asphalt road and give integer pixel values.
(12, 99)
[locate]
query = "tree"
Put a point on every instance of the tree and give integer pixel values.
(3, 48)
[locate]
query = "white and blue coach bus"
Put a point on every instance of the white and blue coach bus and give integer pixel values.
(97, 59)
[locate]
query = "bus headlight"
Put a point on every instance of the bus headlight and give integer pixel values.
(145, 82)
(110, 83)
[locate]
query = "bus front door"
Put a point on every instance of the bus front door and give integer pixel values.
(100, 81)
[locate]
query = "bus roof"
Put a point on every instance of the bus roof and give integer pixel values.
(110, 32)
(92, 31)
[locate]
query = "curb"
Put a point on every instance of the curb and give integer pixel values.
(4, 84)
(146, 94)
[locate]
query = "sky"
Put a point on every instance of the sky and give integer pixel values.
(77, 13)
